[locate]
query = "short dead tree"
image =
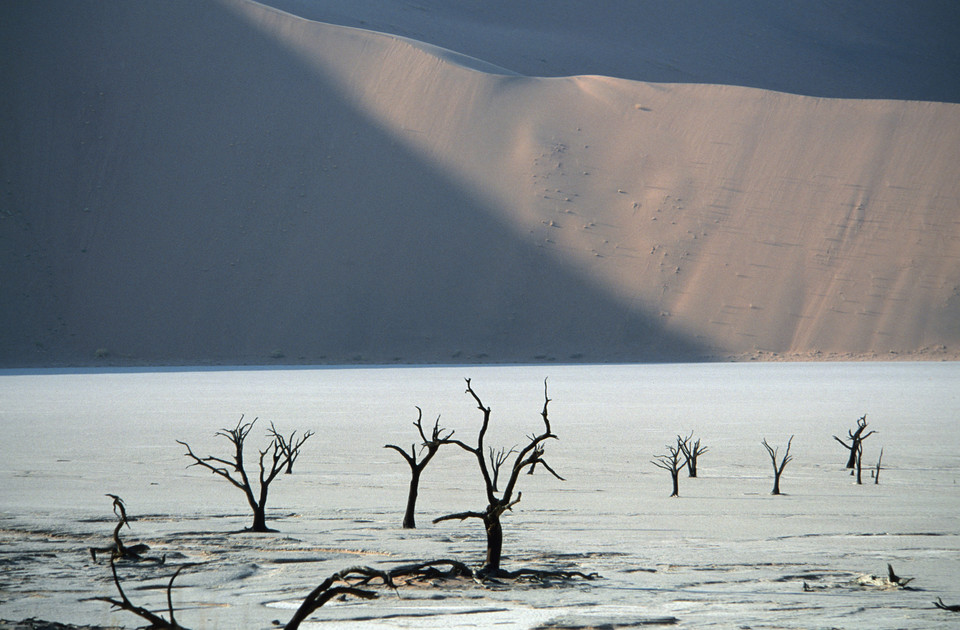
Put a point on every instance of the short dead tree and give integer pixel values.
(856, 440)
(671, 462)
(525, 458)
(875, 473)
(691, 450)
(289, 446)
(118, 550)
(272, 462)
(428, 448)
(778, 467)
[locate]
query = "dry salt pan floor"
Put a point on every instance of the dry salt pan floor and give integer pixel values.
(724, 554)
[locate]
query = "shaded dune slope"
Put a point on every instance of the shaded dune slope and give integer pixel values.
(223, 182)
(210, 197)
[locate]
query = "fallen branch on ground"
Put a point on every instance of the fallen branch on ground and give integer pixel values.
(950, 607)
(156, 621)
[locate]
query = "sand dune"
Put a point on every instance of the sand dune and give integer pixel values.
(226, 182)
(884, 49)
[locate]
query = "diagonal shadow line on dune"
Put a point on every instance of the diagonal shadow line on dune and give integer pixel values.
(186, 190)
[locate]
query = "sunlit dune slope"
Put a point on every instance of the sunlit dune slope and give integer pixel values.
(229, 183)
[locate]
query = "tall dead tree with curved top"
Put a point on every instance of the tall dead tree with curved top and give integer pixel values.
(497, 504)
(428, 448)
(272, 462)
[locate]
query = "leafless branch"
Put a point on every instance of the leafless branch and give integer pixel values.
(156, 621)
(289, 447)
(327, 591)
(460, 516)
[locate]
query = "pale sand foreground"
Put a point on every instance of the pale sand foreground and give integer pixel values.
(264, 188)
(725, 554)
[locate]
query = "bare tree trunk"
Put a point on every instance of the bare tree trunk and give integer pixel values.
(876, 476)
(860, 464)
(409, 519)
(260, 520)
(494, 545)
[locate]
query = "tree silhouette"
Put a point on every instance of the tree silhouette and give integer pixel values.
(778, 468)
(525, 458)
(428, 448)
(670, 461)
(856, 440)
(272, 461)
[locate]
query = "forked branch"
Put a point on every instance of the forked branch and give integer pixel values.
(428, 448)
(327, 591)
(289, 447)
(156, 621)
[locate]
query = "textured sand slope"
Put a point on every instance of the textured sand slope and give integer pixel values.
(756, 220)
(227, 182)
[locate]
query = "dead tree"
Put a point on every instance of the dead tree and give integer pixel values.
(272, 461)
(876, 471)
(118, 550)
(778, 468)
(670, 462)
(156, 621)
(856, 439)
(525, 458)
(691, 450)
(289, 446)
(428, 448)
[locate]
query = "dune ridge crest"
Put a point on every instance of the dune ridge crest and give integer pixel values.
(275, 189)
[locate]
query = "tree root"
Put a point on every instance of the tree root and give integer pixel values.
(354, 581)
(361, 576)
(539, 575)
(430, 571)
